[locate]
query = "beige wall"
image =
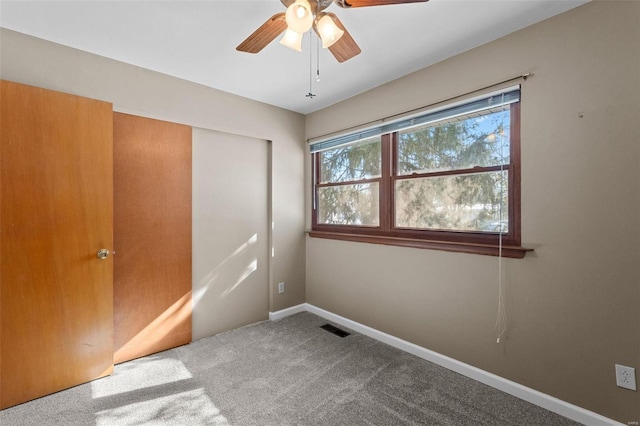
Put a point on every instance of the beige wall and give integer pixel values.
(138, 91)
(230, 232)
(573, 304)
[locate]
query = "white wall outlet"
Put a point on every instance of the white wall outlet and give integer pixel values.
(280, 288)
(626, 377)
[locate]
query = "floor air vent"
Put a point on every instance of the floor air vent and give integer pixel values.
(335, 330)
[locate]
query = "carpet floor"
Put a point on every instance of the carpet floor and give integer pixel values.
(286, 372)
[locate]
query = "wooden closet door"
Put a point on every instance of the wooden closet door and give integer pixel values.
(56, 190)
(152, 282)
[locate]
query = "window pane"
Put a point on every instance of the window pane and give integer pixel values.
(349, 205)
(479, 141)
(468, 202)
(351, 162)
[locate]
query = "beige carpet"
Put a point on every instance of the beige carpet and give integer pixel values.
(288, 372)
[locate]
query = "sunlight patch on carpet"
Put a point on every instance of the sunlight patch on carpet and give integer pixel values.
(138, 374)
(191, 408)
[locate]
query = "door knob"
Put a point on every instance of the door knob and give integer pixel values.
(103, 254)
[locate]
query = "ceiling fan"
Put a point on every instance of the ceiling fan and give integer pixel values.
(301, 16)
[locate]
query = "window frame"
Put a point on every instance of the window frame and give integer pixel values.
(488, 243)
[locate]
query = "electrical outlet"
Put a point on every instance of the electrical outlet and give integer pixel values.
(280, 288)
(626, 377)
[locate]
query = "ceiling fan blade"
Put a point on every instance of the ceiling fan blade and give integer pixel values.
(365, 3)
(346, 47)
(264, 35)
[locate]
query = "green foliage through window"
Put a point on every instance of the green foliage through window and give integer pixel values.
(351, 162)
(457, 202)
(455, 178)
(474, 142)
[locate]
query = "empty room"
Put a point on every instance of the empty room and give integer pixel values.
(319, 212)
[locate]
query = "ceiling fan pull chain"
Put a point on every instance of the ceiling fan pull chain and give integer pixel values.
(310, 95)
(318, 60)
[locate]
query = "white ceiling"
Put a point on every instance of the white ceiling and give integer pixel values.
(196, 40)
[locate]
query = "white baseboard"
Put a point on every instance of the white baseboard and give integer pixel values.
(274, 316)
(533, 396)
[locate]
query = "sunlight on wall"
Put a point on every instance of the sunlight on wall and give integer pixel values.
(273, 247)
(191, 408)
(138, 374)
(251, 268)
(210, 279)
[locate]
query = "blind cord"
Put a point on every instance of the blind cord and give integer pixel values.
(501, 320)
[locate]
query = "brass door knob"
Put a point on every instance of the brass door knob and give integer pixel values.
(103, 254)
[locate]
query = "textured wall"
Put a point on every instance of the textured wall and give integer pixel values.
(573, 303)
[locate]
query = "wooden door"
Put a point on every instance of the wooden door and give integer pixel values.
(152, 232)
(56, 189)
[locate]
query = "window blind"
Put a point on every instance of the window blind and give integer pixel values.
(493, 100)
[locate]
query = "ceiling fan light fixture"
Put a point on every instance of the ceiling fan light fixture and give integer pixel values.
(329, 32)
(292, 40)
(299, 17)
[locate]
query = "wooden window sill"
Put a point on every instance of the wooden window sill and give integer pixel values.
(515, 252)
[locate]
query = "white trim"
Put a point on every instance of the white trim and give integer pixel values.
(533, 396)
(274, 316)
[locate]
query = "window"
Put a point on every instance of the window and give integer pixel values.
(348, 189)
(447, 179)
